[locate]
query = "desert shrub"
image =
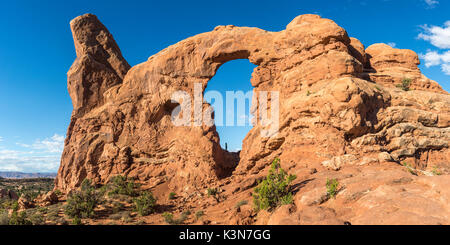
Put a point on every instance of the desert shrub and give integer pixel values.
(53, 210)
(76, 221)
(168, 217)
(274, 189)
(145, 204)
(58, 193)
(9, 204)
(213, 192)
(199, 214)
(42, 210)
(409, 168)
(124, 216)
(14, 206)
(37, 219)
(19, 218)
(405, 85)
(4, 217)
(172, 195)
(81, 204)
(332, 187)
(123, 186)
(140, 222)
(436, 171)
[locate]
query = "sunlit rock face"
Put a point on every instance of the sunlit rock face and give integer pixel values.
(339, 106)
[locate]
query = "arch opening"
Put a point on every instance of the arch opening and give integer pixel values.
(230, 92)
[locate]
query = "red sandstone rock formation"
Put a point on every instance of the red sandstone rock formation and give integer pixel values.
(339, 110)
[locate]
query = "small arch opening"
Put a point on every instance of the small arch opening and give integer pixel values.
(232, 82)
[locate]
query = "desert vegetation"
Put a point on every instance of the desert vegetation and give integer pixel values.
(405, 84)
(274, 190)
(332, 187)
(120, 200)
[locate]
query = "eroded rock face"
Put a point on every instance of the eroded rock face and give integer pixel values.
(389, 66)
(339, 106)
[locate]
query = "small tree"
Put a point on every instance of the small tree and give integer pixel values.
(123, 186)
(81, 204)
(145, 204)
(332, 187)
(274, 189)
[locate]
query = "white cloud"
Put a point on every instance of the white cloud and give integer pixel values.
(440, 38)
(433, 58)
(43, 156)
(392, 44)
(53, 144)
(1, 138)
(446, 69)
(432, 3)
(436, 35)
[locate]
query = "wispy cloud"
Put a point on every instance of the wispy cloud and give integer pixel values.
(440, 38)
(392, 44)
(1, 138)
(53, 144)
(42, 156)
(446, 68)
(431, 3)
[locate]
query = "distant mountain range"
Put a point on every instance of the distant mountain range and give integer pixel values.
(20, 175)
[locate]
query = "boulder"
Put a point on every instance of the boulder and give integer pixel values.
(25, 203)
(8, 194)
(47, 199)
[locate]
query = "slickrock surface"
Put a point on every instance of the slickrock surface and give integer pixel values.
(341, 116)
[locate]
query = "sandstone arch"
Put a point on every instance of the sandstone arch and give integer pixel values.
(329, 104)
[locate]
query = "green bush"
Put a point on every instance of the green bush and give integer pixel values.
(214, 193)
(145, 204)
(274, 189)
(9, 204)
(81, 204)
(172, 195)
(76, 221)
(168, 217)
(436, 171)
(332, 187)
(19, 219)
(405, 85)
(123, 186)
(36, 218)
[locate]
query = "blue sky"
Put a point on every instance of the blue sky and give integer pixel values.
(36, 50)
